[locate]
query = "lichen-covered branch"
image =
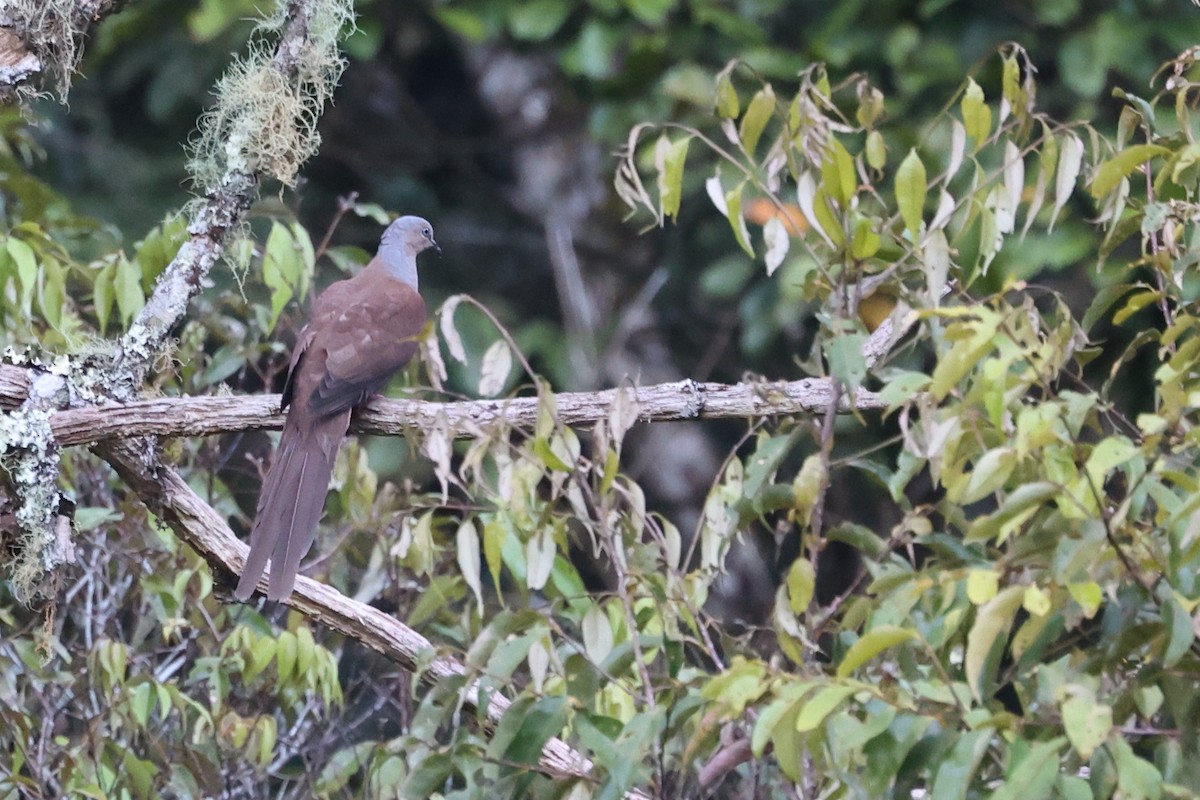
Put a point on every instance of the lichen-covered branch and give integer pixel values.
(263, 124)
(43, 38)
(219, 214)
(664, 402)
(164, 491)
(30, 455)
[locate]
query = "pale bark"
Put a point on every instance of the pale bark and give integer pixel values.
(204, 416)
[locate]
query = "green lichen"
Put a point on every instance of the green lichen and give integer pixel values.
(30, 456)
(52, 30)
(268, 102)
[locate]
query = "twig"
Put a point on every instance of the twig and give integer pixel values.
(573, 298)
(344, 205)
(724, 760)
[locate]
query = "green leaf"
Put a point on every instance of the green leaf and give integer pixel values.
(902, 387)
(1070, 787)
(651, 12)
(671, 157)
(838, 175)
(727, 103)
(468, 24)
(285, 655)
(281, 269)
(537, 20)
(977, 116)
(876, 150)
(774, 717)
(982, 585)
(777, 240)
(989, 474)
(822, 704)
(540, 553)
(1112, 172)
(597, 634)
(103, 296)
(825, 219)
(427, 777)
(1088, 595)
(1036, 601)
(733, 211)
(801, 581)
(1185, 160)
(372, 211)
(466, 549)
(266, 732)
(1110, 453)
(1026, 498)
(1180, 633)
(27, 271)
(1011, 88)
(127, 287)
(141, 703)
(953, 778)
(1136, 777)
(1086, 722)
(871, 644)
(1070, 160)
(806, 487)
(993, 621)
(760, 468)
(863, 539)
(790, 751)
(846, 360)
(758, 114)
(495, 532)
(140, 773)
(261, 653)
(910, 193)
(866, 241)
(495, 368)
(1034, 776)
(53, 294)
(741, 684)
(543, 720)
(306, 651)
(1102, 301)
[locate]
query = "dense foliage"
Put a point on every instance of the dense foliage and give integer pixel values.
(989, 589)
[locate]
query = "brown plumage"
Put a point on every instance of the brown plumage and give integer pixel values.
(361, 332)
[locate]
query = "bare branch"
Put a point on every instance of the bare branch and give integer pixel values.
(725, 759)
(664, 402)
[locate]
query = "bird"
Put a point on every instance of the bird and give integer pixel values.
(360, 333)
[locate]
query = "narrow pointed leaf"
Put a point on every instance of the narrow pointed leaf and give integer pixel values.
(910, 193)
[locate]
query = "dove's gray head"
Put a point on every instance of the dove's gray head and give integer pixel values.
(401, 242)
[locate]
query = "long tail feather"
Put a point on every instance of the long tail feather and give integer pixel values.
(289, 507)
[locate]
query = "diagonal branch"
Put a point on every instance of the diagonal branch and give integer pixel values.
(164, 491)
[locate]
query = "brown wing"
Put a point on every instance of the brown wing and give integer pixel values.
(366, 329)
(298, 352)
